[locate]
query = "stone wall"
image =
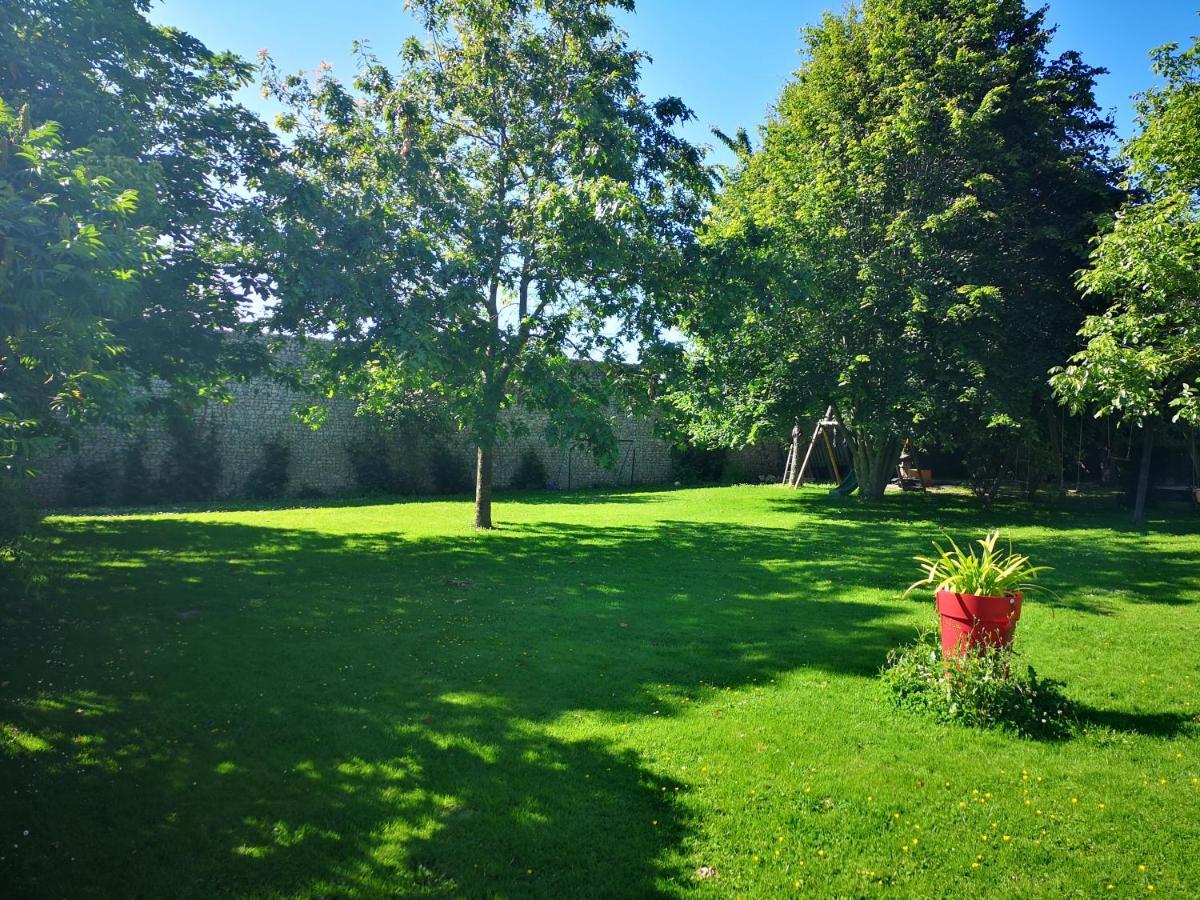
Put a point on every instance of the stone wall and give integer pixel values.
(262, 410)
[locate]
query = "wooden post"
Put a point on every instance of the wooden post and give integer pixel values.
(799, 479)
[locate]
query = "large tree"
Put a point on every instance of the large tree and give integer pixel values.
(123, 149)
(489, 222)
(902, 244)
(1142, 357)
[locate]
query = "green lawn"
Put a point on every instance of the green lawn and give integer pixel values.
(606, 694)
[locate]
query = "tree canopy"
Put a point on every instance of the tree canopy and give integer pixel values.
(1142, 357)
(902, 245)
(122, 153)
(488, 222)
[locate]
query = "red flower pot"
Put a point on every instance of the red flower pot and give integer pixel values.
(968, 620)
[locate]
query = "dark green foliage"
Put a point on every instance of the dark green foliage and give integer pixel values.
(192, 467)
(90, 482)
(449, 471)
(269, 479)
(137, 484)
(510, 161)
(530, 473)
(693, 464)
(121, 152)
(376, 470)
(903, 244)
(984, 688)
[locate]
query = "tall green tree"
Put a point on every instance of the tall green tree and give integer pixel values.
(491, 222)
(68, 268)
(1141, 361)
(123, 149)
(902, 244)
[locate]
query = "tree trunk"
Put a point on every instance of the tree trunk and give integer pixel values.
(484, 464)
(874, 464)
(1143, 483)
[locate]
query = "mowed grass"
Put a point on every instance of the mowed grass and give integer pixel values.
(606, 694)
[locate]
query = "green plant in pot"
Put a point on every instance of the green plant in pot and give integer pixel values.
(978, 592)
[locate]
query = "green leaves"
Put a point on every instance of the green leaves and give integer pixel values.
(1144, 350)
(904, 242)
(500, 219)
(121, 157)
(990, 572)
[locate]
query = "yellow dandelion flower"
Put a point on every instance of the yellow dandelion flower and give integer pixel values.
(1141, 868)
(1007, 838)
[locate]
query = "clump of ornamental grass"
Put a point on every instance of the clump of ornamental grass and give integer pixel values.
(983, 687)
(990, 572)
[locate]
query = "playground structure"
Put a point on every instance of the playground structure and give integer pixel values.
(834, 465)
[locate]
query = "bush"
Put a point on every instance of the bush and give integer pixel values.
(269, 479)
(530, 473)
(692, 464)
(985, 687)
(137, 485)
(450, 473)
(375, 468)
(89, 482)
(192, 467)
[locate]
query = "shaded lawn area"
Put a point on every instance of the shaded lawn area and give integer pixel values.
(608, 693)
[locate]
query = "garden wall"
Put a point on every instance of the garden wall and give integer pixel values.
(261, 410)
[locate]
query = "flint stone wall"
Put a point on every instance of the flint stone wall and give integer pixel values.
(262, 409)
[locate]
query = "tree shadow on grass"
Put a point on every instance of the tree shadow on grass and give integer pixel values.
(252, 710)
(1086, 573)
(203, 707)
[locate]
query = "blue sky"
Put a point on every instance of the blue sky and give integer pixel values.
(727, 60)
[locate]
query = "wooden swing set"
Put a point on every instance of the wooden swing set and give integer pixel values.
(829, 434)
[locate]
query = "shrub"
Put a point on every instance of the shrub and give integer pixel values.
(985, 687)
(375, 468)
(89, 482)
(269, 479)
(192, 467)
(137, 485)
(449, 469)
(692, 464)
(530, 473)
